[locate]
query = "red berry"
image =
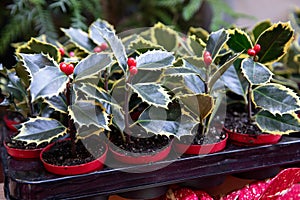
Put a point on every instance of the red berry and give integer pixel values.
(103, 46)
(251, 52)
(131, 62)
(206, 53)
(133, 70)
(256, 48)
(61, 51)
(68, 69)
(97, 49)
(71, 54)
(207, 60)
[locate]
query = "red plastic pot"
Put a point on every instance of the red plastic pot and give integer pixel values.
(94, 165)
(252, 139)
(142, 159)
(10, 123)
(200, 149)
(23, 153)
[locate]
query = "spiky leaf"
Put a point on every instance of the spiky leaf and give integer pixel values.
(256, 73)
(277, 124)
(195, 45)
(92, 65)
(201, 104)
(155, 60)
(86, 113)
(216, 41)
(39, 130)
(194, 83)
(199, 33)
(152, 93)
(140, 44)
(107, 32)
(58, 103)
(47, 82)
(164, 36)
(276, 98)
(80, 39)
(35, 46)
(15, 87)
(239, 40)
(260, 28)
(94, 33)
(274, 42)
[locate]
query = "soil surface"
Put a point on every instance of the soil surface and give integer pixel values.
(23, 145)
(86, 151)
(237, 120)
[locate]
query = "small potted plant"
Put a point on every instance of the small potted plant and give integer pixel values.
(269, 107)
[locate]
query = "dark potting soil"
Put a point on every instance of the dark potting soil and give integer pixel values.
(23, 145)
(86, 151)
(140, 144)
(237, 120)
(197, 139)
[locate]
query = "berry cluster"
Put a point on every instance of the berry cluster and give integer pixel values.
(103, 46)
(131, 62)
(254, 51)
(207, 58)
(67, 68)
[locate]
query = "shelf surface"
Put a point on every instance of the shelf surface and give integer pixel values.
(27, 179)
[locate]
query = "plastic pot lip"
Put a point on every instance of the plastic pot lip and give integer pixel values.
(10, 123)
(22, 153)
(103, 156)
(195, 149)
(252, 139)
(142, 159)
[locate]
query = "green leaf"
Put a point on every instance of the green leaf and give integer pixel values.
(199, 33)
(260, 28)
(256, 73)
(239, 40)
(195, 45)
(186, 126)
(216, 41)
(92, 65)
(86, 113)
(108, 33)
(274, 42)
(190, 9)
(155, 120)
(39, 130)
(194, 83)
(216, 75)
(47, 82)
(80, 39)
(94, 33)
(140, 44)
(232, 80)
(200, 105)
(155, 60)
(15, 87)
(58, 103)
(195, 64)
(164, 36)
(35, 46)
(34, 62)
(277, 124)
(152, 93)
(276, 98)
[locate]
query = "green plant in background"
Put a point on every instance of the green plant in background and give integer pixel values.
(251, 78)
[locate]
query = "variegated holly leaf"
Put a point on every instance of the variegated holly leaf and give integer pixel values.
(34, 62)
(108, 33)
(199, 33)
(256, 73)
(196, 64)
(58, 103)
(155, 120)
(85, 132)
(239, 40)
(92, 65)
(80, 39)
(15, 86)
(94, 33)
(39, 130)
(152, 93)
(216, 41)
(277, 124)
(201, 105)
(260, 28)
(276, 98)
(195, 45)
(155, 60)
(47, 82)
(274, 42)
(194, 83)
(186, 126)
(86, 113)
(35, 46)
(233, 80)
(217, 74)
(164, 36)
(140, 44)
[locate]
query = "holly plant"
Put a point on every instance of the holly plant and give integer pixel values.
(251, 77)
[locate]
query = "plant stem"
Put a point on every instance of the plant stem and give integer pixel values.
(128, 92)
(106, 80)
(249, 102)
(71, 127)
